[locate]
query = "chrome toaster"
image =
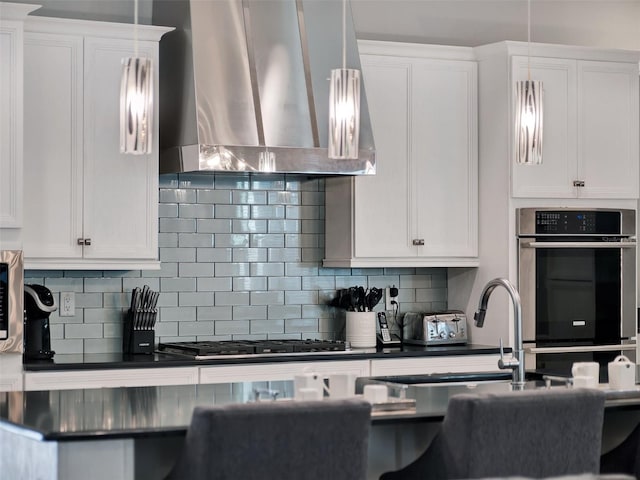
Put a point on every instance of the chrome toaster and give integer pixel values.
(444, 328)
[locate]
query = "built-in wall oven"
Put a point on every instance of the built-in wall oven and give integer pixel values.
(577, 282)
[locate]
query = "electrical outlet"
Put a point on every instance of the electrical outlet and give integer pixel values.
(67, 304)
(388, 298)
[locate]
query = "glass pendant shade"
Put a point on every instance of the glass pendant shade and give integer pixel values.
(136, 105)
(528, 118)
(344, 113)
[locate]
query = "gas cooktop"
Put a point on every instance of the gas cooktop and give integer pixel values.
(205, 350)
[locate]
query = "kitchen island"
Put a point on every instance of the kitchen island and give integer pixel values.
(136, 432)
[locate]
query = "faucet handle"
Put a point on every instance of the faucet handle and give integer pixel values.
(503, 364)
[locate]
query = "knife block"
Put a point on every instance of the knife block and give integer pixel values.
(137, 340)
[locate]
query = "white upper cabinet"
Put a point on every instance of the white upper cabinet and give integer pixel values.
(559, 168)
(608, 129)
(120, 212)
(86, 204)
(11, 120)
(420, 209)
(591, 131)
(53, 170)
(382, 214)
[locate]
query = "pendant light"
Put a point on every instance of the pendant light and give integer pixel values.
(344, 105)
(136, 100)
(529, 115)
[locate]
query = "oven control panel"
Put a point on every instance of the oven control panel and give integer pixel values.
(577, 222)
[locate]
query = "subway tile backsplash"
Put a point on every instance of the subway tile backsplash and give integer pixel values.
(241, 257)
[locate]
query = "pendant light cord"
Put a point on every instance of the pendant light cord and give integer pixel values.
(135, 27)
(528, 40)
(344, 34)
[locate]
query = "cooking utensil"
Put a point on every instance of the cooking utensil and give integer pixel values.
(145, 295)
(154, 309)
(345, 299)
(372, 298)
(378, 294)
(353, 293)
(134, 298)
(361, 299)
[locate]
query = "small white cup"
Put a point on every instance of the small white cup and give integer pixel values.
(309, 394)
(376, 393)
(307, 381)
(586, 369)
(342, 385)
(584, 381)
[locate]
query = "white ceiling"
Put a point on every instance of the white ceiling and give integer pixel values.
(604, 23)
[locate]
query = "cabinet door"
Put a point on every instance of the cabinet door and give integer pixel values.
(431, 365)
(123, 377)
(444, 158)
(279, 371)
(608, 129)
(554, 178)
(383, 214)
(120, 191)
(10, 124)
(53, 148)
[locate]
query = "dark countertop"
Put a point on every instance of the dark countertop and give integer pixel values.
(97, 361)
(135, 412)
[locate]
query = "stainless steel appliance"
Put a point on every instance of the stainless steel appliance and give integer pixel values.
(11, 300)
(207, 350)
(39, 303)
(241, 80)
(577, 282)
(444, 328)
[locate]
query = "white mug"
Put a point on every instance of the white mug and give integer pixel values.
(622, 373)
(584, 381)
(375, 393)
(586, 369)
(306, 381)
(308, 394)
(342, 385)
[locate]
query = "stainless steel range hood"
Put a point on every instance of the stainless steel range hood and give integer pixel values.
(242, 77)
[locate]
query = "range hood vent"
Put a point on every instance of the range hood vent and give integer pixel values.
(243, 79)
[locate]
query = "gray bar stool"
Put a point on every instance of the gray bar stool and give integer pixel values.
(625, 458)
(309, 440)
(532, 433)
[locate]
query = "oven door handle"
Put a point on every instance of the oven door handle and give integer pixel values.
(579, 244)
(585, 348)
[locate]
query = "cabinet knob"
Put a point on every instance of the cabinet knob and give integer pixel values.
(81, 241)
(578, 183)
(87, 241)
(418, 241)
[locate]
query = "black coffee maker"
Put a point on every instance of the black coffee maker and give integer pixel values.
(38, 305)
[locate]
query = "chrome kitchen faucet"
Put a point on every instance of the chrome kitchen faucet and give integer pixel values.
(516, 364)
